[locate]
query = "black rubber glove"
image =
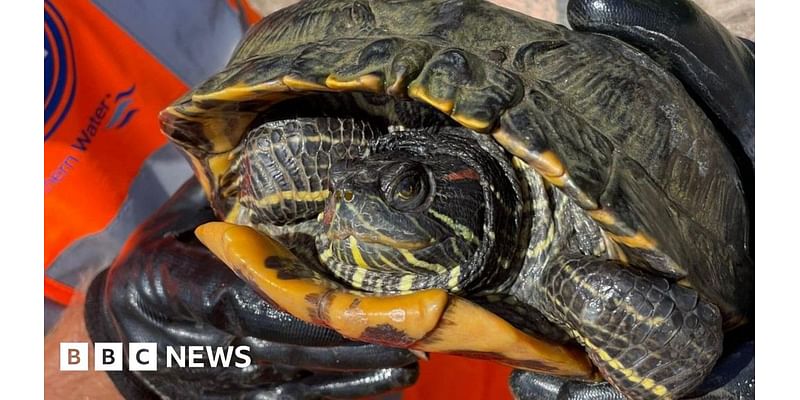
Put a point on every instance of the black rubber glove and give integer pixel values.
(166, 287)
(718, 70)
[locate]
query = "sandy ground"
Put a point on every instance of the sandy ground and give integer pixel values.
(737, 15)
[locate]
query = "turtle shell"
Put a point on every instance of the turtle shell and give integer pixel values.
(596, 118)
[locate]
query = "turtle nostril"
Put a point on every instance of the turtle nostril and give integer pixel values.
(340, 194)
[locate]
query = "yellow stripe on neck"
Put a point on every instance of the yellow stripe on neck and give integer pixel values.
(359, 259)
(439, 269)
(459, 229)
(280, 197)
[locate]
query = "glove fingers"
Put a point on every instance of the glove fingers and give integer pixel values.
(350, 357)
(264, 379)
(349, 385)
(278, 326)
(528, 385)
(208, 383)
(733, 377)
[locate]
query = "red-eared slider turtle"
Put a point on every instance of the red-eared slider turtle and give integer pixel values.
(451, 176)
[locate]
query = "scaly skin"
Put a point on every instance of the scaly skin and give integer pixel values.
(650, 337)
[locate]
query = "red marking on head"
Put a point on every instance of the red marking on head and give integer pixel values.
(466, 173)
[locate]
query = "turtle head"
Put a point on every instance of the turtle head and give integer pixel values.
(409, 216)
(400, 211)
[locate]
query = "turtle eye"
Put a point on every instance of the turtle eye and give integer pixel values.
(409, 189)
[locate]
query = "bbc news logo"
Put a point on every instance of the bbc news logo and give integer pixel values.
(144, 356)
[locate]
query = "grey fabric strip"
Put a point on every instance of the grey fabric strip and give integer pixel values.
(192, 38)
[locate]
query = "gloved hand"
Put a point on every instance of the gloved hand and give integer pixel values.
(718, 70)
(166, 287)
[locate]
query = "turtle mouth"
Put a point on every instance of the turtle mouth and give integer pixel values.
(376, 238)
(341, 229)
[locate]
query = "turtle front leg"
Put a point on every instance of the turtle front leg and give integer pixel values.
(650, 337)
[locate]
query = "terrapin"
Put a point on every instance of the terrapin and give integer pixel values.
(451, 176)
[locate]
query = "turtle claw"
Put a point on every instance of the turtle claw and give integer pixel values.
(427, 321)
(420, 354)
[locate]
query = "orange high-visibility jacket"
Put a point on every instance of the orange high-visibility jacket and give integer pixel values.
(110, 67)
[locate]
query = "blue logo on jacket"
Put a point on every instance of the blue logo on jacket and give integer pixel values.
(121, 115)
(60, 77)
